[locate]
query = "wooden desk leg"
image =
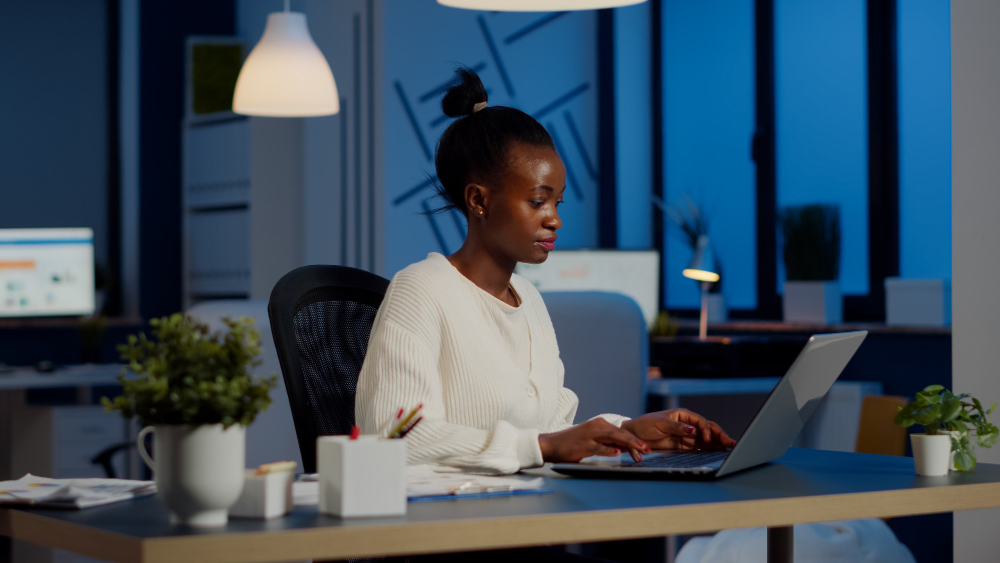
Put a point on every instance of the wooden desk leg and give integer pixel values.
(780, 544)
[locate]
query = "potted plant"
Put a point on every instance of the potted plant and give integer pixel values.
(194, 390)
(811, 253)
(948, 420)
(691, 224)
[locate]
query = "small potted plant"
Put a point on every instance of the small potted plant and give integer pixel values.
(194, 390)
(811, 253)
(948, 420)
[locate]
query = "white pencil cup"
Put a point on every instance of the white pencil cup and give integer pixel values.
(363, 477)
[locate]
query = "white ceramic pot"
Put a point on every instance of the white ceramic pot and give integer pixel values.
(198, 470)
(813, 302)
(931, 453)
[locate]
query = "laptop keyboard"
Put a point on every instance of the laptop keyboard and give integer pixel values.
(681, 459)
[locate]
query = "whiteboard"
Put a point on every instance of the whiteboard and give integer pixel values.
(635, 273)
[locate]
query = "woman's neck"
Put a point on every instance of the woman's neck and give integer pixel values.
(490, 272)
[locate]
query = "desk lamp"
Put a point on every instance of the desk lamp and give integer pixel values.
(702, 269)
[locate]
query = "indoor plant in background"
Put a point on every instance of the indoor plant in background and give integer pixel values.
(948, 420)
(811, 253)
(692, 223)
(194, 390)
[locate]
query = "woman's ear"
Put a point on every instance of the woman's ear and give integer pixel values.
(476, 199)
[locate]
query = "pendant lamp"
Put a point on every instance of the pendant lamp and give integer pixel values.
(537, 5)
(286, 74)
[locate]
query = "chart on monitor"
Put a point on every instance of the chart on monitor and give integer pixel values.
(46, 272)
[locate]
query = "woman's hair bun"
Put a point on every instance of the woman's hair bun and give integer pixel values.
(462, 98)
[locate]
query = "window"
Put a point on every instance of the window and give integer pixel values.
(821, 121)
(924, 78)
(708, 109)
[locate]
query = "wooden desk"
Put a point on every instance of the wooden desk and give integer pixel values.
(806, 486)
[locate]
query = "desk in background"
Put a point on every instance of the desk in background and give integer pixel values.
(804, 486)
(57, 440)
(903, 359)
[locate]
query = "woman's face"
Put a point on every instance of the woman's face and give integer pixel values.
(522, 217)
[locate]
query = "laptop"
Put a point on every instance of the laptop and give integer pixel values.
(770, 433)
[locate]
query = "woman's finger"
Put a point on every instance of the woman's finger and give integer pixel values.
(608, 451)
(718, 435)
(721, 435)
(669, 426)
(623, 439)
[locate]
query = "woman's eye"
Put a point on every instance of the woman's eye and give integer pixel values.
(558, 203)
(537, 203)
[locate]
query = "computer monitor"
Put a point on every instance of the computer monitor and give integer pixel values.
(46, 272)
(635, 273)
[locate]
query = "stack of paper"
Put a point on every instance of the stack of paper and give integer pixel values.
(423, 483)
(71, 493)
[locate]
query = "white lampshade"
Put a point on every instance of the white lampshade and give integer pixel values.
(702, 266)
(286, 75)
(537, 5)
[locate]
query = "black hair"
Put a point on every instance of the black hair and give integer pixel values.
(476, 147)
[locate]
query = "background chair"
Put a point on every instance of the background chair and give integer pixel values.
(321, 317)
(604, 344)
(877, 433)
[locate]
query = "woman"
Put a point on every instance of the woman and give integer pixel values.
(472, 342)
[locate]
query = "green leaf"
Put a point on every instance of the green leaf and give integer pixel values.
(950, 409)
(933, 388)
(190, 375)
(964, 460)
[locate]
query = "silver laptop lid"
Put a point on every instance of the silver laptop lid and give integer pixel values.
(793, 400)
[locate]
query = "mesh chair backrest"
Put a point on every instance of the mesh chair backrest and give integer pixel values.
(332, 337)
(321, 318)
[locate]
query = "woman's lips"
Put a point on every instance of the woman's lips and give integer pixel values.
(547, 243)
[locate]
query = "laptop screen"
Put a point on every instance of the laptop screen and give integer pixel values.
(46, 272)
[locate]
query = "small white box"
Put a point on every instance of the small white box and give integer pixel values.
(264, 496)
(363, 477)
(813, 302)
(917, 302)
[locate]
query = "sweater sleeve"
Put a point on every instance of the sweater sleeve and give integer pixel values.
(400, 370)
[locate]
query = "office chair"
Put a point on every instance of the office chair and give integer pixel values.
(321, 317)
(604, 346)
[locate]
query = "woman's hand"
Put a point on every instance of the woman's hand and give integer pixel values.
(678, 429)
(594, 437)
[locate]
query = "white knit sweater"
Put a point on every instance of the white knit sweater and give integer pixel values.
(488, 374)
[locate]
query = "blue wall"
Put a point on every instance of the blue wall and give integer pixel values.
(543, 64)
(53, 116)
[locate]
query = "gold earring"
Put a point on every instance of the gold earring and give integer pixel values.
(481, 212)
